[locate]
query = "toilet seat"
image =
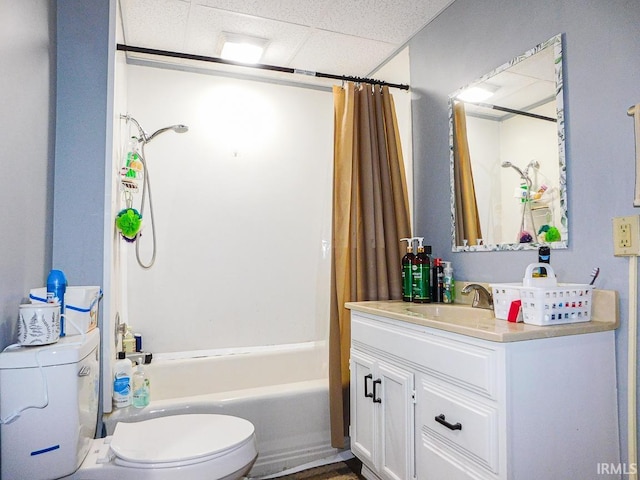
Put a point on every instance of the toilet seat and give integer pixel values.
(178, 440)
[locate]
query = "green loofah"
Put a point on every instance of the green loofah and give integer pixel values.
(552, 235)
(129, 222)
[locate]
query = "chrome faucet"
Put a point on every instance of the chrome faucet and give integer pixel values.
(481, 296)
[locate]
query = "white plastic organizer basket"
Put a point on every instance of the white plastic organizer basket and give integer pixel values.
(544, 301)
(81, 307)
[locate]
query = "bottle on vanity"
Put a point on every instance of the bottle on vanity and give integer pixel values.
(407, 272)
(437, 287)
(448, 284)
(421, 274)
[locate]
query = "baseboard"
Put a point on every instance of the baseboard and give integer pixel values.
(285, 463)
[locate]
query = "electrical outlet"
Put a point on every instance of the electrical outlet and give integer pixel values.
(626, 236)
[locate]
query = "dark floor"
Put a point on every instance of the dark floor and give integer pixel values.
(356, 466)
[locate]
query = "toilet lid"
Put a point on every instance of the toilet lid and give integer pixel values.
(179, 438)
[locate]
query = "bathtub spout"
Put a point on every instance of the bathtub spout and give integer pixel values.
(140, 357)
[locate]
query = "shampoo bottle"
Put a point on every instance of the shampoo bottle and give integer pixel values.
(421, 274)
(407, 266)
(129, 341)
(122, 370)
(438, 281)
(448, 294)
(141, 391)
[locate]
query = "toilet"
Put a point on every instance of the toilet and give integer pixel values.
(54, 439)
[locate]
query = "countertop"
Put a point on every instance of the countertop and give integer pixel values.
(480, 323)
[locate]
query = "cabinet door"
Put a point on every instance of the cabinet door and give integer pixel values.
(394, 393)
(363, 419)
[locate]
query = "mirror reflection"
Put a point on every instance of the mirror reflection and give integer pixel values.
(508, 179)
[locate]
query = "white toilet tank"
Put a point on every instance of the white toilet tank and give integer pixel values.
(63, 380)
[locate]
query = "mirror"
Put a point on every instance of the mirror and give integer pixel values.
(506, 139)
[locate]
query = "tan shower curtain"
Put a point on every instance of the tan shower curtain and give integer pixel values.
(370, 215)
(467, 219)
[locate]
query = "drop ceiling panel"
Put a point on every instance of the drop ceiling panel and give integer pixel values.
(341, 54)
(159, 24)
(348, 37)
(207, 26)
(391, 21)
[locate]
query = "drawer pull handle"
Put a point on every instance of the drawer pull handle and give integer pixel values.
(376, 398)
(441, 420)
(366, 386)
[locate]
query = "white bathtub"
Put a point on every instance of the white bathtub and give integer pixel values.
(282, 390)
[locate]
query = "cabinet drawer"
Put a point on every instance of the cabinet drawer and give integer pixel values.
(457, 424)
(462, 363)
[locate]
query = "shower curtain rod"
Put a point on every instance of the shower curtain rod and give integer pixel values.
(511, 110)
(261, 66)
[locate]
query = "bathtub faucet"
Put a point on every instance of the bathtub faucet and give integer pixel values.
(140, 357)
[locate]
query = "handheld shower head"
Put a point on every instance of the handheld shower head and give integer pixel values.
(176, 128)
(509, 164)
(144, 137)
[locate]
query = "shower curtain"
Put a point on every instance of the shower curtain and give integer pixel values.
(370, 215)
(466, 212)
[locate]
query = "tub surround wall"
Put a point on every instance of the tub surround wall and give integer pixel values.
(242, 206)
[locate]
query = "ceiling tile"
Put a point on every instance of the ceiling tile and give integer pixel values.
(159, 24)
(206, 26)
(351, 37)
(340, 54)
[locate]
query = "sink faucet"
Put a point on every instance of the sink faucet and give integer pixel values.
(481, 296)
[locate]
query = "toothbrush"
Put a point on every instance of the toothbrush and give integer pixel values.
(594, 274)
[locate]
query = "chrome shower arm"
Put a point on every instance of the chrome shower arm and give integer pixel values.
(143, 135)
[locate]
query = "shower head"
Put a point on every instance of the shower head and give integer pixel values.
(509, 164)
(144, 137)
(176, 128)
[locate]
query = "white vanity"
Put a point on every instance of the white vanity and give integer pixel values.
(447, 392)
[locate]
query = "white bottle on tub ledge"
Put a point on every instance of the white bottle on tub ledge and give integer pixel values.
(122, 373)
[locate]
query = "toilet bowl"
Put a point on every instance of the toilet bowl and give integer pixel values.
(181, 447)
(49, 406)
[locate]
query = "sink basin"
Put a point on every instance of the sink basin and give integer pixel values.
(449, 313)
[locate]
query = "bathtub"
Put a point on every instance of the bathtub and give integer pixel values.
(283, 390)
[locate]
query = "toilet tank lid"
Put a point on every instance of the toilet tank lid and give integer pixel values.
(69, 349)
(179, 438)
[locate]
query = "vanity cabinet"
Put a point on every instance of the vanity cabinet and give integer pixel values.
(429, 404)
(382, 396)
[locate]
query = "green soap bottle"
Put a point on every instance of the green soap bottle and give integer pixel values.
(407, 276)
(421, 273)
(449, 284)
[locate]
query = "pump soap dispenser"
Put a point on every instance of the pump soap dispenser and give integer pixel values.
(407, 276)
(421, 274)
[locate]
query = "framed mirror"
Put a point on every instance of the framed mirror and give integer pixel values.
(507, 165)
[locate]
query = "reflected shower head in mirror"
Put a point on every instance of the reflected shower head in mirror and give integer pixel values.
(509, 164)
(525, 175)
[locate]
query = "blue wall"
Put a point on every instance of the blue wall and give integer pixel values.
(84, 112)
(27, 128)
(602, 80)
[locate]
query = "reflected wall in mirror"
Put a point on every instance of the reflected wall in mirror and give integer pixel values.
(508, 175)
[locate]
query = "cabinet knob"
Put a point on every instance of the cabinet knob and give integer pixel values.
(441, 420)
